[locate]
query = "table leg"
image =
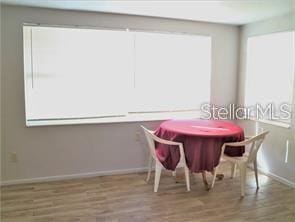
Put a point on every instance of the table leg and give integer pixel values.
(219, 176)
(205, 180)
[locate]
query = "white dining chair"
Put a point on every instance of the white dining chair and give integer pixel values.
(242, 162)
(151, 139)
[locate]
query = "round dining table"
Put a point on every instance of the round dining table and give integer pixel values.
(202, 141)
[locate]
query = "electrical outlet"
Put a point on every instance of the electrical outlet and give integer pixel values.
(13, 157)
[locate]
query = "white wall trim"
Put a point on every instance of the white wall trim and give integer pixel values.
(275, 177)
(272, 122)
(72, 176)
(278, 178)
(117, 172)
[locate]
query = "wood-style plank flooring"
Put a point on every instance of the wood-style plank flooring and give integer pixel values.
(129, 198)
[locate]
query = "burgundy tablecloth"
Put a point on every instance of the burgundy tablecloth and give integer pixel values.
(202, 140)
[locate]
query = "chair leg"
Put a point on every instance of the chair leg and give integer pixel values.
(243, 178)
(256, 174)
(233, 169)
(157, 175)
(214, 177)
(187, 179)
(150, 168)
(174, 173)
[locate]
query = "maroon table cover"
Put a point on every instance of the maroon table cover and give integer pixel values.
(202, 141)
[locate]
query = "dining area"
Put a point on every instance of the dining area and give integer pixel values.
(147, 111)
(200, 146)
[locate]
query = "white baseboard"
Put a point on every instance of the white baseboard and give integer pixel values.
(117, 172)
(276, 177)
(72, 176)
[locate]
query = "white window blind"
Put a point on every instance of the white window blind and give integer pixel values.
(77, 73)
(270, 69)
(73, 73)
(172, 72)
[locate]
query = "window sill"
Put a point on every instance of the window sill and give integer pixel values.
(272, 122)
(134, 117)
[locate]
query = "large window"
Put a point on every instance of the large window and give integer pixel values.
(270, 71)
(88, 74)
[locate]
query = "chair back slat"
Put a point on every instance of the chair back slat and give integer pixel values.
(256, 143)
(150, 137)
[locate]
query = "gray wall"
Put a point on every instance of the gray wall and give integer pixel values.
(273, 152)
(80, 149)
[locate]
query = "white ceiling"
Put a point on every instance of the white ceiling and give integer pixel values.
(235, 12)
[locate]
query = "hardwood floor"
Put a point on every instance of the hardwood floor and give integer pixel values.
(129, 198)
